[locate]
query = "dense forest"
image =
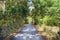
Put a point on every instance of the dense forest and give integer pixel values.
(46, 12)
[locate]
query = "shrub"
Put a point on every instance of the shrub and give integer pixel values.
(53, 21)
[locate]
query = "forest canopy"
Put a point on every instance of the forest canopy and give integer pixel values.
(16, 12)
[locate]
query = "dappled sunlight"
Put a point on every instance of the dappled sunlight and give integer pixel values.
(31, 34)
(29, 19)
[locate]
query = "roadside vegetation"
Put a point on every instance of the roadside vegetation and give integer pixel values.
(46, 14)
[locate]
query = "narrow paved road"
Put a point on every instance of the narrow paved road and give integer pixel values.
(28, 33)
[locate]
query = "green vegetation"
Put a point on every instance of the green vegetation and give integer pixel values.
(46, 12)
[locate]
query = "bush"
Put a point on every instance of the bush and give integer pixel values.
(52, 21)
